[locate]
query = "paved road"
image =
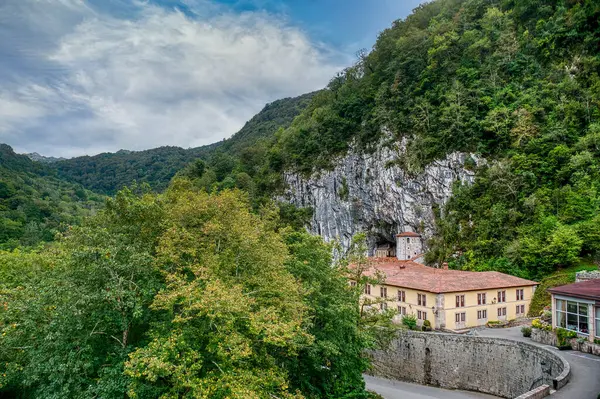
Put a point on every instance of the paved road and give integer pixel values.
(405, 390)
(585, 368)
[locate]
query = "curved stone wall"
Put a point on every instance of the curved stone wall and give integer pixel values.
(495, 366)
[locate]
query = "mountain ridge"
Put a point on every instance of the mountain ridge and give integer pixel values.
(108, 172)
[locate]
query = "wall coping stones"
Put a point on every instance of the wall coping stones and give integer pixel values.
(540, 392)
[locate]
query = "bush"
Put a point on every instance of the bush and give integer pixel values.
(426, 325)
(409, 321)
(537, 323)
(526, 331)
(563, 336)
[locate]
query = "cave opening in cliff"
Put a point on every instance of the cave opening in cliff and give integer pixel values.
(385, 248)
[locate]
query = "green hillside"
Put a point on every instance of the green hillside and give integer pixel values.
(108, 172)
(35, 204)
(514, 81)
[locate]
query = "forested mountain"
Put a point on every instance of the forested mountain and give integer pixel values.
(34, 203)
(108, 172)
(515, 82)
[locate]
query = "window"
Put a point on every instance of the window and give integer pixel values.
(572, 316)
(383, 306)
(520, 309)
(368, 289)
(421, 300)
(352, 283)
(402, 310)
(598, 321)
(401, 296)
(424, 315)
(383, 292)
(481, 299)
(501, 296)
(419, 315)
(520, 295)
(460, 317)
(501, 312)
(460, 301)
(482, 314)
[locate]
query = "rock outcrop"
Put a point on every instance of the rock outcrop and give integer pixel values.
(366, 192)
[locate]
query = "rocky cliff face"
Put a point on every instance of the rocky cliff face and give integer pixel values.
(363, 194)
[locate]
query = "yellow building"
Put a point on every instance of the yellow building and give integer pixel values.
(449, 299)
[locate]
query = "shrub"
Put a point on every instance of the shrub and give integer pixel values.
(410, 321)
(597, 341)
(426, 325)
(563, 336)
(537, 323)
(526, 331)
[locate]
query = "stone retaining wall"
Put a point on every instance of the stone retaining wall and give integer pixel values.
(587, 275)
(495, 366)
(544, 337)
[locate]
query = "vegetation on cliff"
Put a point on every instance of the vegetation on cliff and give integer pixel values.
(514, 81)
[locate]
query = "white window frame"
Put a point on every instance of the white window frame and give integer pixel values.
(579, 302)
(597, 320)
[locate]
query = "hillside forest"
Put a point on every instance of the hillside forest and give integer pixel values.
(174, 273)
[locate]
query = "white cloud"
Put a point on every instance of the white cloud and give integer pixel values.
(159, 78)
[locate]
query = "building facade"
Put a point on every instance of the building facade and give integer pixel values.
(409, 245)
(449, 299)
(576, 307)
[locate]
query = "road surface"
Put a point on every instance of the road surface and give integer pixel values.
(406, 390)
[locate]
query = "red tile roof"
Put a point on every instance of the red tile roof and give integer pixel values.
(585, 289)
(409, 274)
(408, 234)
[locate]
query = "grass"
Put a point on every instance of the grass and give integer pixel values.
(541, 297)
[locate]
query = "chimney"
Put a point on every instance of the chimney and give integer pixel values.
(445, 265)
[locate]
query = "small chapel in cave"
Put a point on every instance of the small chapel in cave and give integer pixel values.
(408, 246)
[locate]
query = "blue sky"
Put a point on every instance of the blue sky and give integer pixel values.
(82, 77)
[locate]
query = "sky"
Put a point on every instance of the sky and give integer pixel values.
(81, 77)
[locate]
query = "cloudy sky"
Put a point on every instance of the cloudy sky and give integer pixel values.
(83, 77)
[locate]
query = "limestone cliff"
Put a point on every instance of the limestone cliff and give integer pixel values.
(363, 192)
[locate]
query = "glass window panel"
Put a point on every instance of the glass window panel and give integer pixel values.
(572, 307)
(572, 321)
(583, 309)
(561, 319)
(560, 304)
(583, 325)
(597, 328)
(598, 312)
